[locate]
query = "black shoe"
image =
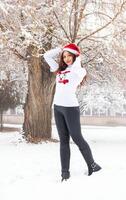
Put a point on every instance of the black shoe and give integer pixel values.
(94, 167)
(65, 176)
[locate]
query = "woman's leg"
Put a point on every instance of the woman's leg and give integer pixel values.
(72, 117)
(64, 141)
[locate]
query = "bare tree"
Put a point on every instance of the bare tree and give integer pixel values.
(9, 96)
(29, 28)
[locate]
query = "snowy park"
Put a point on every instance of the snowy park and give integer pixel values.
(32, 171)
(65, 60)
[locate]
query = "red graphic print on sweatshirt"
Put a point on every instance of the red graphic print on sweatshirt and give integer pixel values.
(62, 77)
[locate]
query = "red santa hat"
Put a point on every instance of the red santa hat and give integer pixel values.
(72, 48)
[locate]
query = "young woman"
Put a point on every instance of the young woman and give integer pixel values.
(69, 74)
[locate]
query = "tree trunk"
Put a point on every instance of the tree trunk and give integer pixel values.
(1, 120)
(38, 106)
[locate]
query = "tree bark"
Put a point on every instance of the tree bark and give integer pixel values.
(38, 106)
(1, 120)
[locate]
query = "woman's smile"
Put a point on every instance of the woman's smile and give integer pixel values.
(67, 58)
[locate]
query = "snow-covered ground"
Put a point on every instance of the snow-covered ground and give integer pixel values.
(32, 171)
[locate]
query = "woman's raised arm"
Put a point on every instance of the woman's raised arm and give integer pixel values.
(50, 56)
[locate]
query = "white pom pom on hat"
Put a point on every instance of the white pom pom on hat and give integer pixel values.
(72, 48)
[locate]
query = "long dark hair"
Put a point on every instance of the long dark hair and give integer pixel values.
(62, 64)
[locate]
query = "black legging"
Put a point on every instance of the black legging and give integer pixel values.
(68, 124)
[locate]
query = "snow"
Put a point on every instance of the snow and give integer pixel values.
(3, 8)
(32, 171)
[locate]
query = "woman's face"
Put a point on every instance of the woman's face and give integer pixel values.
(68, 58)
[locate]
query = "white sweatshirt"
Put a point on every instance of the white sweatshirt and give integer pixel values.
(67, 80)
